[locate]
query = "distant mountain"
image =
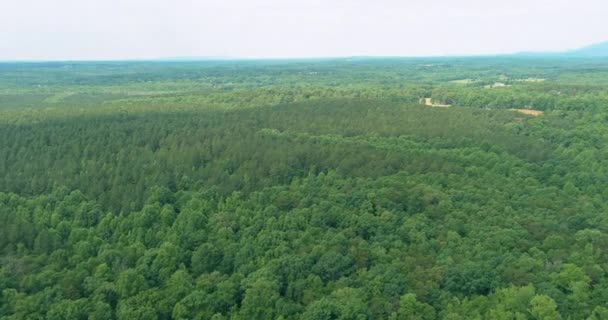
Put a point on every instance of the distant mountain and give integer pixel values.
(595, 50)
(598, 50)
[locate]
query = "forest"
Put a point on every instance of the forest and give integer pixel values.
(305, 189)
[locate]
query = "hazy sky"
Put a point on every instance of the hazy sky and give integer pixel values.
(119, 29)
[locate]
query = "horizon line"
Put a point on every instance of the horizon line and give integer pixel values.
(308, 58)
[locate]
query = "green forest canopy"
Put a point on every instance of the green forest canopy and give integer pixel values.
(313, 189)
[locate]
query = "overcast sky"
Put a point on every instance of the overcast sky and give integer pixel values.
(136, 29)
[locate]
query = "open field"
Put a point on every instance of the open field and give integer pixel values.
(528, 112)
(429, 102)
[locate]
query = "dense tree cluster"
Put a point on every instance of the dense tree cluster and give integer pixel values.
(252, 197)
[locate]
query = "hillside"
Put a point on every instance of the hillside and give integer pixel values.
(595, 50)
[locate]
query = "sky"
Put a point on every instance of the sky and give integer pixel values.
(149, 29)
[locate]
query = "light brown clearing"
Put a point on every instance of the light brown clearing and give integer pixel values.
(531, 80)
(497, 85)
(429, 102)
(529, 112)
(463, 81)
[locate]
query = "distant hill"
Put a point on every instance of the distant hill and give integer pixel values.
(598, 50)
(595, 50)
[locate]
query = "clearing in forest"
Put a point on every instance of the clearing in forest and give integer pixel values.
(529, 112)
(531, 80)
(497, 85)
(464, 81)
(429, 102)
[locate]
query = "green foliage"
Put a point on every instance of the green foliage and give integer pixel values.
(543, 307)
(303, 190)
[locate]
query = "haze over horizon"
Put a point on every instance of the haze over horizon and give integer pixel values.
(138, 29)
